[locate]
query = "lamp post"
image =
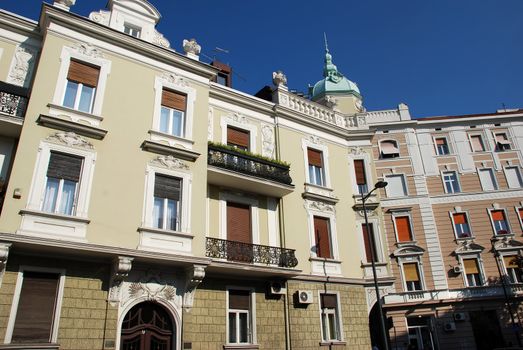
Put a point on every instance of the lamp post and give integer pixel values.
(364, 197)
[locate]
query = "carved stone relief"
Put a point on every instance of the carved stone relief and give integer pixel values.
(70, 139)
(169, 162)
(320, 206)
(22, 66)
(101, 17)
(268, 144)
(175, 79)
(121, 268)
(159, 39)
(191, 47)
(316, 140)
(151, 285)
(210, 124)
(194, 277)
(278, 78)
(88, 50)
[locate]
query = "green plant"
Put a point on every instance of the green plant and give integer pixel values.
(247, 153)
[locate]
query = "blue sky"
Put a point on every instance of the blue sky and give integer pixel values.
(441, 57)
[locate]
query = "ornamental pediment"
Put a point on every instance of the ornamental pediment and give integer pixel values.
(507, 243)
(468, 247)
(408, 250)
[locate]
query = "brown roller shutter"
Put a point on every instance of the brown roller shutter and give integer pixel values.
(83, 73)
(64, 166)
(471, 266)
(167, 187)
(321, 234)
(359, 169)
(511, 262)
(36, 308)
(328, 301)
(498, 215)
(239, 299)
(237, 137)
(367, 242)
(403, 229)
(174, 100)
(315, 157)
(239, 222)
(460, 218)
(411, 272)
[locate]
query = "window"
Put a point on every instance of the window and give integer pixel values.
(499, 222)
(520, 215)
(487, 179)
(36, 310)
(238, 138)
(403, 228)
(450, 180)
(316, 173)
(412, 277)
(330, 317)
(166, 210)
(63, 176)
(477, 144)
(461, 225)
(512, 268)
(396, 185)
(502, 142)
(172, 114)
(361, 179)
(442, 148)
(132, 30)
(322, 237)
(370, 249)
(82, 80)
(239, 222)
(239, 317)
(513, 175)
(420, 334)
(389, 149)
(472, 272)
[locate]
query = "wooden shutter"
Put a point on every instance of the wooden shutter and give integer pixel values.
(174, 100)
(328, 301)
(167, 187)
(359, 169)
(471, 266)
(36, 308)
(520, 212)
(322, 236)
(411, 272)
(511, 262)
(460, 218)
(367, 242)
(239, 299)
(441, 141)
(403, 228)
(64, 166)
(238, 137)
(314, 157)
(239, 222)
(83, 73)
(498, 215)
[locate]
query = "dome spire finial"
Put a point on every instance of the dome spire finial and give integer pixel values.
(326, 44)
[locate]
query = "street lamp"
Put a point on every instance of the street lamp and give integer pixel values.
(364, 197)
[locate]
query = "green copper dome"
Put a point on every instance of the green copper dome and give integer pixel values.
(334, 82)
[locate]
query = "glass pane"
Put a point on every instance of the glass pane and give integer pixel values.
(51, 191)
(332, 326)
(86, 99)
(67, 200)
(177, 123)
(311, 174)
(172, 215)
(164, 120)
(244, 328)
(319, 175)
(232, 327)
(70, 94)
(158, 212)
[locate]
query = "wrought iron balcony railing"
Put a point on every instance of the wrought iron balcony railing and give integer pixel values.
(223, 157)
(250, 253)
(13, 100)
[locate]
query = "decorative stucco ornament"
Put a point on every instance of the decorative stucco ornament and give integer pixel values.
(159, 39)
(22, 66)
(191, 48)
(268, 145)
(175, 79)
(194, 276)
(331, 101)
(121, 267)
(70, 139)
(278, 78)
(64, 4)
(169, 162)
(101, 17)
(88, 50)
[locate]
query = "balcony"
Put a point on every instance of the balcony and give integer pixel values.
(13, 104)
(241, 170)
(250, 253)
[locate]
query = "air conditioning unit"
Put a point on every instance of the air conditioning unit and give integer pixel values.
(305, 297)
(457, 269)
(449, 327)
(459, 316)
(277, 288)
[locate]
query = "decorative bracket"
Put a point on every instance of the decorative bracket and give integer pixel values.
(4, 253)
(121, 267)
(195, 276)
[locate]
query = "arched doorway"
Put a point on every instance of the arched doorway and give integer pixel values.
(147, 326)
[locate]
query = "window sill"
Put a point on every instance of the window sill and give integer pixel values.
(165, 149)
(55, 226)
(240, 346)
(60, 123)
(377, 263)
(464, 239)
(167, 241)
(325, 266)
(170, 140)
(75, 115)
(333, 343)
(316, 192)
(39, 346)
(406, 243)
(54, 216)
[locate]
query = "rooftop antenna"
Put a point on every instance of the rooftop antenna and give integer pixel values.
(326, 44)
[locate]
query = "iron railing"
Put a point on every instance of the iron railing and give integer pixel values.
(13, 100)
(226, 158)
(250, 253)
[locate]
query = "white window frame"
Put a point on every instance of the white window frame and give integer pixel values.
(502, 258)
(436, 137)
(305, 144)
(510, 232)
(161, 83)
(405, 185)
(451, 214)
(255, 216)
(480, 268)
(377, 240)
(518, 175)
(132, 29)
(365, 157)
(443, 173)
(185, 202)
(493, 177)
(409, 260)
(400, 214)
(338, 314)
(520, 219)
(252, 314)
(16, 299)
(69, 53)
(228, 121)
(397, 146)
(482, 139)
(332, 231)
